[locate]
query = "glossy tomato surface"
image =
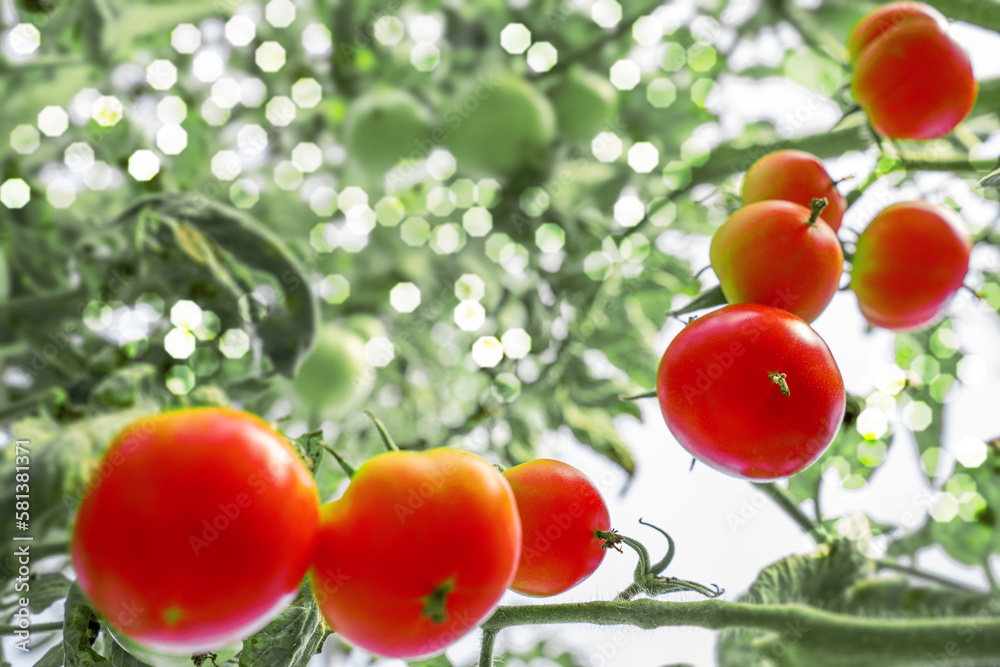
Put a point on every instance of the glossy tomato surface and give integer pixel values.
(417, 552)
(794, 176)
(197, 529)
(876, 23)
(560, 510)
(914, 82)
(910, 259)
(768, 253)
(751, 391)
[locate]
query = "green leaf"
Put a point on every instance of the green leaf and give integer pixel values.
(119, 657)
(124, 387)
(46, 589)
(437, 661)
(991, 180)
(815, 579)
(289, 640)
(62, 461)
(310, 448)
(818, 579)
(708, 299)
(967, 510)
(54, 657)
(894, 595)
(288, 326)
(80, 631)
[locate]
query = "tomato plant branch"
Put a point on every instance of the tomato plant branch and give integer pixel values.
(883, 641)
(889, 564)
(34, 627)
(792, 510)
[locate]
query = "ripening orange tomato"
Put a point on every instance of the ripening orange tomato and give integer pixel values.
(876, 23)
(910, 259)
(773, 253)
(914, 82)
(794, 176)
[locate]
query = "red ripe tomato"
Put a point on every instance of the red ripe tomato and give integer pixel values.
(417, 552)
(560, 510)
(794, 176)
(770, 253)
(910, 259)
(752, 391)
(888, 17)
(914, 82)
(198, 530)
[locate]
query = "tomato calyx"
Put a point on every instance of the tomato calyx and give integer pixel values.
(818, 204)
(648, 578)
(780, 379)
(435, 604)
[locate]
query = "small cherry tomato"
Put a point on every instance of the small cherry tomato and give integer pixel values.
(794, 176)
(752, 391)
(560, 510)
(197, 529)
(876, 23)
(910, 259)
(417, 552)
(914, 82)
(774, 253)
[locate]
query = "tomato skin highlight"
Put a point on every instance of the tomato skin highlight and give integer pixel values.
(910, 260)
(914, 82)
(560, 510)
(794, 176)
(225, 516)
(767, 253)
(719, 400)
(408, 524)
(876, 23)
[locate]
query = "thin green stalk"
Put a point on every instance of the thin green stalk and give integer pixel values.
(34, 627)
(390, 444)
(344, 465)
(792, 510)
(889, 564)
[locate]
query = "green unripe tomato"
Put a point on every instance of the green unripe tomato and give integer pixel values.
(332, 376)
(366, 326)
(500, 125)
(585, 103)
(384, 127)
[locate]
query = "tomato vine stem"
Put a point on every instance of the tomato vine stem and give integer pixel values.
(866, 640)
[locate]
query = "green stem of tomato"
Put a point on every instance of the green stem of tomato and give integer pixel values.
(344, 465)
(818, 204)
(390, 444)
(486, 654)
(853, 639)
(792, 510)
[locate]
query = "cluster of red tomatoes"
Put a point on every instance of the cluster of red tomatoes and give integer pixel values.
(415, 554)
(751, 389)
